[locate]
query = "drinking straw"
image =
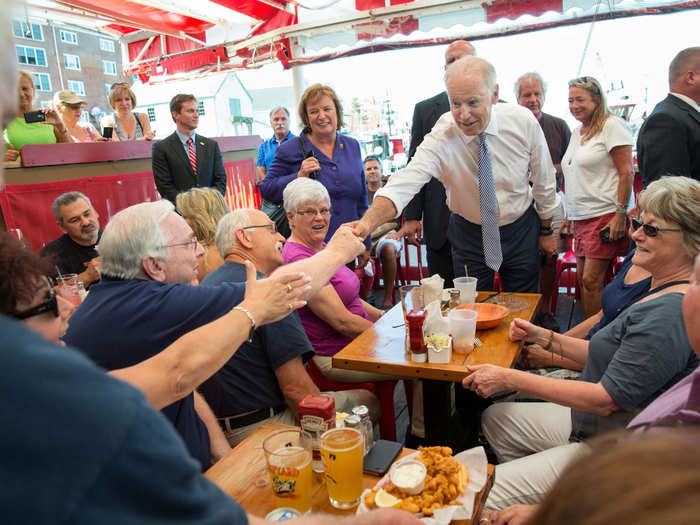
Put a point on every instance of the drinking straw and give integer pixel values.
(60, 276)
(466, 272)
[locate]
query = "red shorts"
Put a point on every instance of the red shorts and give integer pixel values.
(587, 241)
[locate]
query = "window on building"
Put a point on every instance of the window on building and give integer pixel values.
(77, 87)
(69, 37)
(109, 67)
(31, 56)
(71, 61)
(42, 81)
(200, 107)
(107, 45)
(234, 107)
(108, 88)
(151, 112)
(24, 30)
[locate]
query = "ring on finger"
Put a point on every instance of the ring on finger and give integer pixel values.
(289, 305)
(289, 288)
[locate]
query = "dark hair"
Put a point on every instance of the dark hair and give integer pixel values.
(178, 100)
(64, 200)
(21, 270)
(372, 157)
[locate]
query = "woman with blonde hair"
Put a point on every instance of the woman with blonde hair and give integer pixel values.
(70, 107)
(20, 132)
(202, 208)
(597, 170)
(127, 124)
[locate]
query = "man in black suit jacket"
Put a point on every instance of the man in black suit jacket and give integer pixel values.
(430, 203)
(179, 164)
(669, 141)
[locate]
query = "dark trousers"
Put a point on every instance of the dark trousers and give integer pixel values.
(440, 262)
(520, 270)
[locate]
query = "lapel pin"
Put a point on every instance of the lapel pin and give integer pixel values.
(341, 145)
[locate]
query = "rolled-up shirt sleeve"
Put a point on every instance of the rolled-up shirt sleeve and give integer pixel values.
(542, 173)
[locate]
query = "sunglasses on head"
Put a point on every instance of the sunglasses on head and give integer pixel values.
(49, 305)
(649, 230)
(589, 82)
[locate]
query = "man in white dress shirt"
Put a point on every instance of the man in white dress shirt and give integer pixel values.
(508, 144)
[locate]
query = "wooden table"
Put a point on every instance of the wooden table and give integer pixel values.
(382, 349)
(242, 474)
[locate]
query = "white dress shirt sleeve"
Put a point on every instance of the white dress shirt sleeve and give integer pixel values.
(542, 173)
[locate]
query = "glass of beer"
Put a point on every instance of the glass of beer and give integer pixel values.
(342, 450)
(288, 455)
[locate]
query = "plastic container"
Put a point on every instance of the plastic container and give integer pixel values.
(316, 415)
(462, 328)
(442, 354)
(409, 476)
(466, 287)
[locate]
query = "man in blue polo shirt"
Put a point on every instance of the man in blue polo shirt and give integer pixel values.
(279, 120)
(144, 302)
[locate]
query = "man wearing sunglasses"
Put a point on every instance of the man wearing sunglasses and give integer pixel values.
(266, 378)
(669, 141)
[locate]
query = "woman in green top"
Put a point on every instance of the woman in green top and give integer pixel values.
(19, 132)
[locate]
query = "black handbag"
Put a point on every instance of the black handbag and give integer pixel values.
(277, 215)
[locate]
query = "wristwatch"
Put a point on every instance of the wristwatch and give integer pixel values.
(546, 230)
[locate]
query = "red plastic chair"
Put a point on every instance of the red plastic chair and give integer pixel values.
(566, 277)
(384, 390)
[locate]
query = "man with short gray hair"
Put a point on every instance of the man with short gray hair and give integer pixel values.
(279, 121)
(530, 90)
(74, 251)
(486, 155)
(265, 379)
(144, 302)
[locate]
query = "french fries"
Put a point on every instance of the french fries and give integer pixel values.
(445, 481)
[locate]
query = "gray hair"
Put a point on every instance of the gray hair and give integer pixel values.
(225, 237)
(467, 64)
(276, 109)
(64, 200)
(301, 191)
(687, 59)
(529, 74)
(131, 235)
(676, 199)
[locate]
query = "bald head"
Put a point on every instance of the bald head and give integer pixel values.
(684, 73)
(457, 50)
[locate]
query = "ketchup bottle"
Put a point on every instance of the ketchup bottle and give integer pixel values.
(415, 319)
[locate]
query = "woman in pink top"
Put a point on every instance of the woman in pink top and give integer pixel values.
(336, 314)
(70, 108)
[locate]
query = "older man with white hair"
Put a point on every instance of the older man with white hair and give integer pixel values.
(486, 154)
(265, 379)
(143, 303)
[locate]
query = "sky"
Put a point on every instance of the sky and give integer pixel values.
(635, 51)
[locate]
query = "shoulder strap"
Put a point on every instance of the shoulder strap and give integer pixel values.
(301, 146)
(642, 295)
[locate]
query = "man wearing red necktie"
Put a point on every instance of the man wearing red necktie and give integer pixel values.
(184, 159)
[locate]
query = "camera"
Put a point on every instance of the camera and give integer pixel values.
(34, 116)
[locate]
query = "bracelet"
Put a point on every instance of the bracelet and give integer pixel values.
(548, 346)
(546, 230)
(621, 212)
(252, 321)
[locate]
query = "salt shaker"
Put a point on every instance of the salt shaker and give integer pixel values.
(363, 413)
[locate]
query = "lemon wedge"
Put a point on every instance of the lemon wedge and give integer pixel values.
(384, 499)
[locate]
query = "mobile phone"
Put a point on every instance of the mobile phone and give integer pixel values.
(605, 234)
(381, 456)
(307, 154)
(107, 132)
(34, 116)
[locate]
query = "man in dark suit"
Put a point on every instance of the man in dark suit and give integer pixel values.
(430, 203)
(184, 159)
(669, 141)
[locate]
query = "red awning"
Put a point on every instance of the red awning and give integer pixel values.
(171, 37)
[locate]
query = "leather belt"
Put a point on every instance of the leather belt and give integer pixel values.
(248, 418)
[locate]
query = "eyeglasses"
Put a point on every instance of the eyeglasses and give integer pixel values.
(271, 225)
(649, 230)
(117, 84)
(49, 305)
(313, 213)
(192, 242)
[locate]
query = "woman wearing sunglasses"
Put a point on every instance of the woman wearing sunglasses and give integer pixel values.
(626, 364)
(597, 170)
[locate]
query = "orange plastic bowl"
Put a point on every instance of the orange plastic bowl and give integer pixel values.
(488, 315)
